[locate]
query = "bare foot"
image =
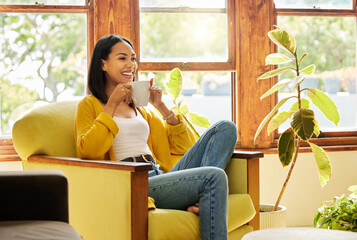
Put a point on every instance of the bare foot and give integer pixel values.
(194, 209)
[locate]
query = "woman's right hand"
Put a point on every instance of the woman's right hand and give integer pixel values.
(121, 93)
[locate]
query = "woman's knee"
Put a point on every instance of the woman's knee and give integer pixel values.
(228, 127)
(217, 175)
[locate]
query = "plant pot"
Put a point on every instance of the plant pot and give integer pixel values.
(272, 219)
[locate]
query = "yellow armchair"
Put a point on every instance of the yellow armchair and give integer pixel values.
(109, 200)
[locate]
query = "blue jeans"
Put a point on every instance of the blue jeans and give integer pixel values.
(199, 177)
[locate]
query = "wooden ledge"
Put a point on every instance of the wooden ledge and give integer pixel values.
(128, 166)
(247, 154)
(10, 158)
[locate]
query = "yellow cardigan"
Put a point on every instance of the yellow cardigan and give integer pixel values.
(95, 131)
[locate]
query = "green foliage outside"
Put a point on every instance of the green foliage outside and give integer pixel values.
(331, 43)
(340, 214)
(302, 119)
(42, 55)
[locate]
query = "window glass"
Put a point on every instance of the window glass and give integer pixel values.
(319, 4)
(184, 3)
(183, 36)
(44, 2)
(331, 45)
(43, 58)
(208, 92)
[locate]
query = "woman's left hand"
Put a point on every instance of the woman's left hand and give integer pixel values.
(155, 95)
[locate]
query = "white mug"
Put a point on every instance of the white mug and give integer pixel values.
(140, 93)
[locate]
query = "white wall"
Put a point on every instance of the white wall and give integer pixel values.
(10, 166)
(304, 194)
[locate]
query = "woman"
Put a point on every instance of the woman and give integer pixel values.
(110, 127)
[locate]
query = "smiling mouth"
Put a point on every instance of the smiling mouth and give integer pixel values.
(128, 74)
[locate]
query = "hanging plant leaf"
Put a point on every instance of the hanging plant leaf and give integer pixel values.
(308, 70)
(278, 119)
(283, 39)
(286, 147)
(325, 104)
(267, 117)
(275, 72)
(303, 124)
(323, 163)
(199, 120)
(302, 58)
(304, 104)
(277, 58)
(174, 84)
(276, 87)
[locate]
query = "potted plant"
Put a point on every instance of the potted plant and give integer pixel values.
(302, 119)
(174, 88)
(341, 214)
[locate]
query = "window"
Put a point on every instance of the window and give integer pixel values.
(43, 56)
(194, 36)
(326, 30)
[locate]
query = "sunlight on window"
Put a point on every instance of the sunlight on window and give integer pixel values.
(43, 59)
(330, 43)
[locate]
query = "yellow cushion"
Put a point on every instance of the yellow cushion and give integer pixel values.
(49, 129)
(174, 224)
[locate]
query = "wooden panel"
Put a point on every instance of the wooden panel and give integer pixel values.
(247, 154)
(112, 17)
(253, 21)
(191, 66)
(139, 205)
(253, 190)
(129, 166)
(43, 9)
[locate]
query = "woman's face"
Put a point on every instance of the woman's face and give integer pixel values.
(121, 65)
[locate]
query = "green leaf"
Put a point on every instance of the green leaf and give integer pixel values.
(286, 147)
(325, 104)
(267, 117)
(304, 104)
(277, 58)
(316, 128)
(295, 81)
(184, 109)
(308, 70)
(283, 39)
(174, 84)
(353, 189)
(323, 163)
(303, 124)
(276, 87)
(278, 119)
(302, 58)
(274, 72)
(199, 120)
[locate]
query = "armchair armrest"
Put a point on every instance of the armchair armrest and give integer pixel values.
(107, 200)
(246, 163)
(33, 195)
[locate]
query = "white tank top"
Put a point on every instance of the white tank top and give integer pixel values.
(131, 140)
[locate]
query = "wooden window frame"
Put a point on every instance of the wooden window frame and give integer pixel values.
(344, 140)
(229, 65)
